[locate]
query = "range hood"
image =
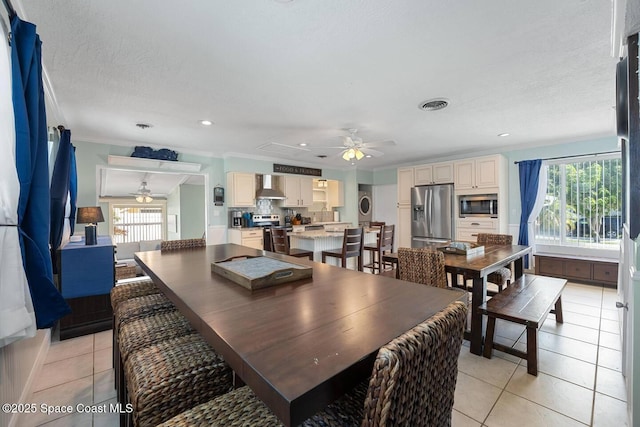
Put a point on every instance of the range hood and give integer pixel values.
(266, 188)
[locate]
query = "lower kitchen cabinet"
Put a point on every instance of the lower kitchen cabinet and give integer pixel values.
(86, 274)
(468, 228)
(601, 272)
(252, 237)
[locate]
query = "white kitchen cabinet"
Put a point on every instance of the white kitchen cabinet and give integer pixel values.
(482, 172)
(403, 226)
(467, 229)
(405, 184)
(241, 189)
(335, 194)
(252, 238)
(298, 191)
(435, 173)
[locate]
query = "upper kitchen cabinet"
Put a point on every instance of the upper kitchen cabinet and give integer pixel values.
(435, 173)
(481, 172)
(241, 189)
(405, 184)
(335, 194)
(298, 191)
(327, 194)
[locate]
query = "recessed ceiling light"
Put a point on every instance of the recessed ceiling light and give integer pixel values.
(503, 134)
(206, 122)
(144, 125)
(303, 144)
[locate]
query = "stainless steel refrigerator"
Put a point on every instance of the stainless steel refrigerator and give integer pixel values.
(432, 214)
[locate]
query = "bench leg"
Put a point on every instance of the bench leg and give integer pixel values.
(488, 341)
(532, 350)
(558, 310)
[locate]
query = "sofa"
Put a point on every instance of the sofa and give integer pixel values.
(125, 251)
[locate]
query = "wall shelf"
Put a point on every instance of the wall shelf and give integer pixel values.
(143, 163)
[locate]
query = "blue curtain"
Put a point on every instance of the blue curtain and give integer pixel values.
(33, 172)
(60, 188)
(73, 187)
(529, 179)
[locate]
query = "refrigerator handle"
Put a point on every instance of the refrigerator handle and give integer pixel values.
(427, 210)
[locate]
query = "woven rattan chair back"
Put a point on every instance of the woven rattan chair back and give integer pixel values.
(279, 241)
(174, 245)
(494, 239)
(414, 376)
(422, 265)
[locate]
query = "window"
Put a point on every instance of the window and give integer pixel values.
(583, 204)
(135, 222)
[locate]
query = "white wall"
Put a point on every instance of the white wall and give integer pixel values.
(384, 205)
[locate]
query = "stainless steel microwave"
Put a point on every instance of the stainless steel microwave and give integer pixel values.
(485, 205)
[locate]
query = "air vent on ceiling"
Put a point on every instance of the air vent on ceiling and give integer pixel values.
(434, 104)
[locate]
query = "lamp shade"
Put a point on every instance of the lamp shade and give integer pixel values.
(89, 215)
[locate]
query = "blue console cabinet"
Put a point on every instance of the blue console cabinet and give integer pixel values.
(86, 276)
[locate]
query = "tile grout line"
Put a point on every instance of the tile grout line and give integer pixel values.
(595, 379)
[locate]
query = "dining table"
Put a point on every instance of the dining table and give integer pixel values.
(299, 345)
(477, 268)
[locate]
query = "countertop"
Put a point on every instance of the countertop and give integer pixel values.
(321, 234)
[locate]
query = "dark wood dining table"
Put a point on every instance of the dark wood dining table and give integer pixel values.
(298, 345)
(478, 268)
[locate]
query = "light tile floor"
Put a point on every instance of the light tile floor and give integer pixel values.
(579, 383)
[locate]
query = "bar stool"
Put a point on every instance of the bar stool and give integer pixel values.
(280, 244)
(352, 246)
(384, 243)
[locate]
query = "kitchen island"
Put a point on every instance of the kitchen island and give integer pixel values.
(322, 240)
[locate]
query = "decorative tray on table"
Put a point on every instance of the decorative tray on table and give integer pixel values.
(463, 248)
(260, 272)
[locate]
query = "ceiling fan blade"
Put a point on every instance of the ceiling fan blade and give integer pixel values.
(387, 143)
(348, 141)
(369, 151)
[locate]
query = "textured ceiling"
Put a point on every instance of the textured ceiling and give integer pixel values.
(267, 71)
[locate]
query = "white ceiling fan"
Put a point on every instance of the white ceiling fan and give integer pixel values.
(354, 148)
(143, 195)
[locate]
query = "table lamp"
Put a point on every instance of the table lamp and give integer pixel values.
(90, 215)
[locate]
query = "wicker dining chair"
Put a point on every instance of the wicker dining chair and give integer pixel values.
(412, 384)
(173, 245)
(124, 292)
(384, 243)
(172, 376)
(352, 246)
(422, 265)
(280, 244)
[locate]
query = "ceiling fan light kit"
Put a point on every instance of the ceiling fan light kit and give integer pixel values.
(144, 194)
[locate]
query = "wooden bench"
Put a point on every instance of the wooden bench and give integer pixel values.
(526, 301)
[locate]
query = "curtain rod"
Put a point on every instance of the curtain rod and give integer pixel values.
(569, 157)
(9, 6)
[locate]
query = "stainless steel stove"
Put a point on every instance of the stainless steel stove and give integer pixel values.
(266, 221)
